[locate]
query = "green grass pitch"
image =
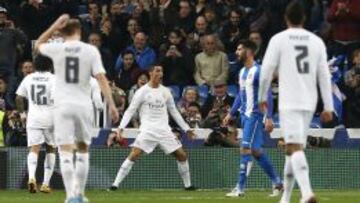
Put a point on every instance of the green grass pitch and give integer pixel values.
(173, 196)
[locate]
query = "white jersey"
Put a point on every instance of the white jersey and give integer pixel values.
(74, 63)
(153, 105)
(37, 88)
(300, 60)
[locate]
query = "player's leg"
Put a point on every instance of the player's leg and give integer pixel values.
(126, 167)
(64, 138)
(294, 124)
(32, 161)
(183, 167)
(34, 139)
(49, 164)
(262, 159)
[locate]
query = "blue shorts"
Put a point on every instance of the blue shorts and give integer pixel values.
(253, 131)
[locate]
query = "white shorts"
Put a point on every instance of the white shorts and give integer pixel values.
(73, 124)
(148, 143)
(38, 136)
(295, 125)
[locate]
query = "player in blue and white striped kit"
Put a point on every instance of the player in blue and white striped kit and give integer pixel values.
(253, 122)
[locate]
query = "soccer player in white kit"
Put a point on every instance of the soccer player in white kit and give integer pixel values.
(74, 64)
(36, 87)
(300, 61)
(154, 102)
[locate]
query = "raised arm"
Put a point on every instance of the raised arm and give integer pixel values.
(45, 36)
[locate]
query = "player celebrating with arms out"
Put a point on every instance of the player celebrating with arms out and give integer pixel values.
(299, 58)
(37, 87)
(252, 120)
(74, 64)
(154, 102)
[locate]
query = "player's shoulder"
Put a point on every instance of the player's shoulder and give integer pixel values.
(88, 47)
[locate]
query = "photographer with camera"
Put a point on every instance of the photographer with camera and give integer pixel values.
(352, 82)
(192, 115)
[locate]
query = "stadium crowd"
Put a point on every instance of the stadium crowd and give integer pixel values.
(194, 41)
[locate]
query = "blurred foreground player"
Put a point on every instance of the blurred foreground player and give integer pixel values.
(74, 64)
(299, 58)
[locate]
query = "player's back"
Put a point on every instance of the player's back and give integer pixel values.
(37, 87)
(300, 53)
(73, 69)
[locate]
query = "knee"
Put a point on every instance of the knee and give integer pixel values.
(292, 148)
(256, 153)
(35, 149)
(50, 149)
(134, 154)
(245, 150)
(181, 156)
(82, 147)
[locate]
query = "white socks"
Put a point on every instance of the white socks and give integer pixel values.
(289, 181)
(67, 171)
(123, 172)
(49, 164)
(184, 172)
(32, 160)
(81, 171)
(301, 171)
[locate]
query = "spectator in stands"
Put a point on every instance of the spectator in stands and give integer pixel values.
(141, 79)
(234, 29)
(256, 37)
(91, 23)
(216, 106)
(186, 18)
(142, 16)
(192, 115)
(126, 76)
(12, 46)
(110, 36)
(211, 64)
(132, 29)
(106, 56)
(4, 102)
(211, 19)
(200, 7)
(193, 39)
(16, 131)
(177, 61)
(26, 68)
(352, 81)
(119, 97)
(36, 17)
(145, 55)
(344, 16)
(190, 95)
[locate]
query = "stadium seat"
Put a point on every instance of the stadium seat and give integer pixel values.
(203, 93)
(175, 91)
(232, 90)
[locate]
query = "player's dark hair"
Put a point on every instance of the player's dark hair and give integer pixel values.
(295, 13)
(195, 104)
(248, 44)
(71, 27)
(152, 67)
(43, 63)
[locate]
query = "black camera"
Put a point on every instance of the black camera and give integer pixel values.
(319, 142)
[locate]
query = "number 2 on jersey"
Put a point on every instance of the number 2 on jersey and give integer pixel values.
(72, 69)
(301, 63)
(38, 94)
